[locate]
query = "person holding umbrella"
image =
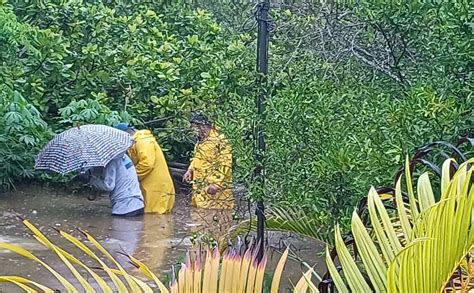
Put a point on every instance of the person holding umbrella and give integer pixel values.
(119, 178)
(152, 170)
(97, 152)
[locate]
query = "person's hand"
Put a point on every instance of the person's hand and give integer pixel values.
(188, 176)
(82, 178)
(212, 189)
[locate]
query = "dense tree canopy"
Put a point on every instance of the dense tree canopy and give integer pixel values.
(352, 86)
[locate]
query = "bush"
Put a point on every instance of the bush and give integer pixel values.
(352, 89)
(22, 129)
(22, 132)
(152, 60)
(90, 111)
(345, 103)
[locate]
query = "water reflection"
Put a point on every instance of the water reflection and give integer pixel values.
(155, 242)
(158, 240)
(127, 232)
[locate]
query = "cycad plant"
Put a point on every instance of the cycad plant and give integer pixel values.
(416, 248)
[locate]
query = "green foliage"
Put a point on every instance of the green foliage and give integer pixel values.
(110, 62)
(351, 88)
(337, 140)
(430, 39)
(21, 133)
(151, 60)
(90, 111)
(22, 129)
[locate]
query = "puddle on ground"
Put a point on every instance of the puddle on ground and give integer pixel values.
(160, 241)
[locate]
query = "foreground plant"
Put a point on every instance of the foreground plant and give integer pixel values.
(238, 270)
(416, 247)
(122, 280)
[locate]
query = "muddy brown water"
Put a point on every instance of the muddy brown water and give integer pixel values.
(160, 241)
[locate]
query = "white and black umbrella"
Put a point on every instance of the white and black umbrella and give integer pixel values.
(83, 147)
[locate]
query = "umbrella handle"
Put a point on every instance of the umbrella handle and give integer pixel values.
(82, 170)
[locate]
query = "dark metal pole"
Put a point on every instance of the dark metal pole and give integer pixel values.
(262, 70)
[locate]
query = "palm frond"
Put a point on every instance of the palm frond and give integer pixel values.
(428, 250)
(288, 220)
(23, 281)
(134, 284)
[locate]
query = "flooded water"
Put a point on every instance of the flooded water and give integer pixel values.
(158, 240)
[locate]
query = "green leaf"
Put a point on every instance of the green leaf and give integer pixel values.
(205, 75)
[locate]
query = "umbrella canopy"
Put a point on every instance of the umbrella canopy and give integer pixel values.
(83, 147)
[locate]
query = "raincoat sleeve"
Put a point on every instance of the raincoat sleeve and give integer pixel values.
(146, 159)
(222, 164)
(107, 181)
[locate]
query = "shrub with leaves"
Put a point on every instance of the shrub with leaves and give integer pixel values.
(28, 54)
(152, 60)
(91, 111)
(22, 133)
(353, 87)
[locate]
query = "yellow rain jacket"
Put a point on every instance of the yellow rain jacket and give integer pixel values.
(212, 164)
(152, 170)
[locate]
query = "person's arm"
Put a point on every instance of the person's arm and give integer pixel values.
(146, 158)
(82, 177)
(106, 182)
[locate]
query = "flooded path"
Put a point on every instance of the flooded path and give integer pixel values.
(160, 241)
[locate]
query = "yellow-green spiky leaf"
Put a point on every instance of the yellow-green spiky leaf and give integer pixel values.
(425, 192)
(411, 193)
(370, 256)
(23, 252)
(148, 273)
(130, 282)
(303, 283)
(278, 272)
(117, 282)
(402, 213)
(354, 276)
(336, 277)
(22, 280)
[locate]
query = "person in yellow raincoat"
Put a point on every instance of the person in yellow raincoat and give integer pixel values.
(210, 171)
(152, 171)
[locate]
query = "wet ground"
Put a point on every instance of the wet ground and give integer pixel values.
(160, 241)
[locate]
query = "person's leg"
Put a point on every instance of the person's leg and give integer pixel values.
(135, 213)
